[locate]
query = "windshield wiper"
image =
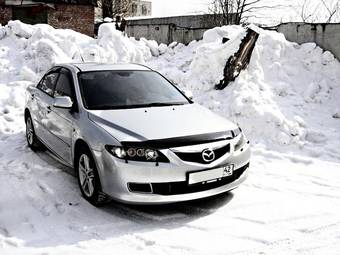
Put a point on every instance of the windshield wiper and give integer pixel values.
(162, 104)
(114, 107)
(104, 107)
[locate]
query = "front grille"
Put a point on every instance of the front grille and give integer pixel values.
(196, 157)
(177, 188)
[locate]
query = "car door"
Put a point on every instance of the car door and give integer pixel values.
(42, 99)
(61, 120)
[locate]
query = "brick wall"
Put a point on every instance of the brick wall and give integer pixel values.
(5, 14)
(76, 17)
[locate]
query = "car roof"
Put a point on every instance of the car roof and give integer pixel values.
(86, 67)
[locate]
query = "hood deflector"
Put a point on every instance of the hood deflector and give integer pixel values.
(165, 143)
(181, 141)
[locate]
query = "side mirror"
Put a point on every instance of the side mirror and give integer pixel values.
(63, 102)
(188, 94)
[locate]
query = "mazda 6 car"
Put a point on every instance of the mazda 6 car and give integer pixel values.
(133, 136)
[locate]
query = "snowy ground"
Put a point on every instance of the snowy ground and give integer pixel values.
(289, 205)
(287, 103)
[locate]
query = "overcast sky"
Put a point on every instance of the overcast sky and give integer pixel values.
(178, 7)
(268, 16)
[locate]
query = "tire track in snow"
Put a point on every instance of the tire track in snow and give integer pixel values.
(321, 228)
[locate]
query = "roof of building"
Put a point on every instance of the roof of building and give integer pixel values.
(31, 2)
(83, 2)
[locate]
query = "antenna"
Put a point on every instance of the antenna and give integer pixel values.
(81, 56)
(82, 59)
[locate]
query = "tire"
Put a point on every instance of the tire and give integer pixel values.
(88, 178)
(32, 140)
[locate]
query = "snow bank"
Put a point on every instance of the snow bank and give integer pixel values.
(27, 52)
(39, 47)
(287, 98)
(113, 47)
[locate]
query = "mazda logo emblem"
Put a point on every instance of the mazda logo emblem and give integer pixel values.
(208, 155)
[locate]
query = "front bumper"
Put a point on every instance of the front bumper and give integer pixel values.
(115, 175)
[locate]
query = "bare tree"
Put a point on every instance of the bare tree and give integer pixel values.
(122, 7)
(305, 14)
(107, 8)
(320, 10)
(231, 10)
(239, 11)
(331, 8)
(112, 8)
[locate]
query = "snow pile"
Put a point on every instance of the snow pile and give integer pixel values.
(210, 58)
(114, 47)
(34, 49)
(287, 96)
(12, 102)
(27, 52)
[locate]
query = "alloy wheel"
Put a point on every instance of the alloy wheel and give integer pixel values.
(86, 175)
(29, 131)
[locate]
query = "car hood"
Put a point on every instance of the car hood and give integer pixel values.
(153, 123)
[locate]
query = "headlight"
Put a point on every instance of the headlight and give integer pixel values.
(236, 132)
(137, 154)
(240, 142)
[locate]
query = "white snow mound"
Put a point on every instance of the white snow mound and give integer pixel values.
(286, 97)
(27, 52)
(39, 47)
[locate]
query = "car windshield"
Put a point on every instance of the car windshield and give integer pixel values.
(127, 89)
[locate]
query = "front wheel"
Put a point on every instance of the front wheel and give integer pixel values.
(88, 179)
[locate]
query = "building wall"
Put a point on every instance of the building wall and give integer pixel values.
(327, 36)
(76, 17)
(5, 14)
(183, 29)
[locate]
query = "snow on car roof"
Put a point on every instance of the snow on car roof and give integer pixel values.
(85, 67)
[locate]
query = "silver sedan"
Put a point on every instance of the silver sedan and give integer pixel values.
(133, 136)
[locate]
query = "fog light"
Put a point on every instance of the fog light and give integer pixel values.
(140, 187)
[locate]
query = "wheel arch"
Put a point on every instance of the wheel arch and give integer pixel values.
(78, 145)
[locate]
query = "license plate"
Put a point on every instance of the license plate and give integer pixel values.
(228, 170)
(211, 175)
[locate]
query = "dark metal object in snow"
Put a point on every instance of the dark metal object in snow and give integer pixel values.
(225, 39)
(239, 60)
